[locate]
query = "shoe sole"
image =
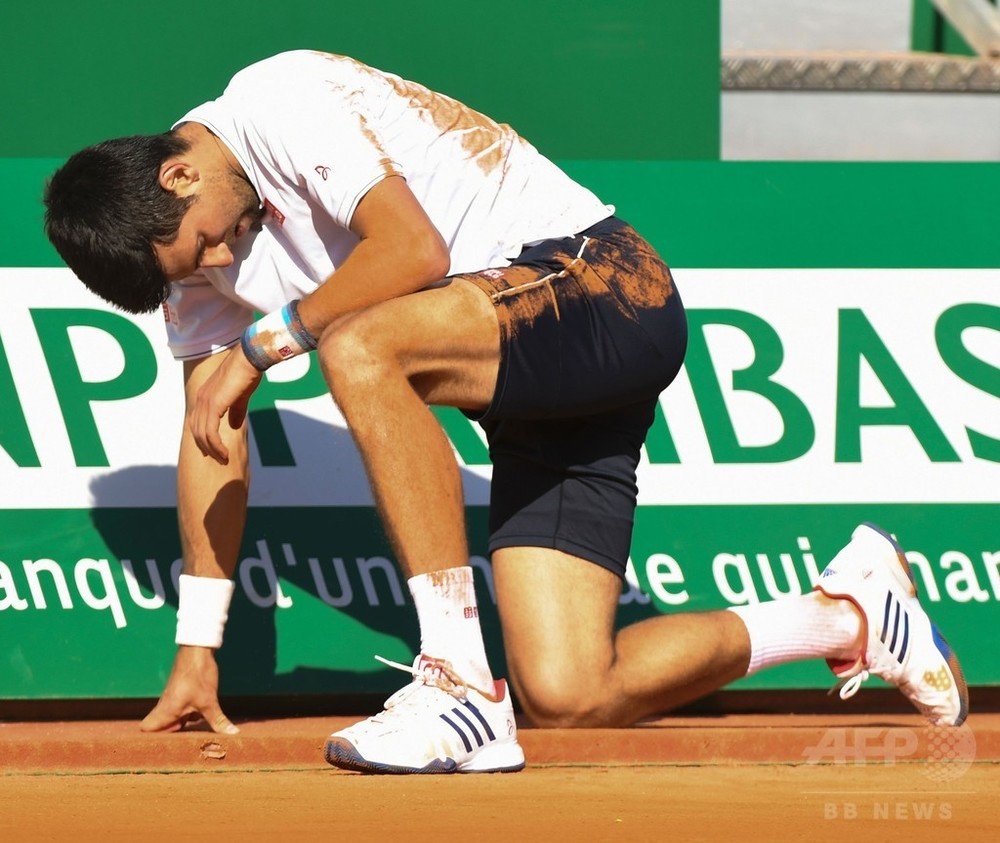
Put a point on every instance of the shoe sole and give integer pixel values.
(341, 753)
(943, 647)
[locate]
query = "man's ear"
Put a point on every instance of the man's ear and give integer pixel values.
(179, 177)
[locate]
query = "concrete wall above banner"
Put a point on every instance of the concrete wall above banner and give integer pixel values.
(844, 366)
(853, 80)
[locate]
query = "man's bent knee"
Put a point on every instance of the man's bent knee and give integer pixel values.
(352, 353)
(557, 699)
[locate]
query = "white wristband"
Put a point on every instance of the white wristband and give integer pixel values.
(202, 610)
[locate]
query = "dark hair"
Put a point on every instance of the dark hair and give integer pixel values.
(105, 209)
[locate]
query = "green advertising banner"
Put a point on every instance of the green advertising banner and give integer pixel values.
(844, 366)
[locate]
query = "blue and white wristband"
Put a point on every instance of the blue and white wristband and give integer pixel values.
(276, 336)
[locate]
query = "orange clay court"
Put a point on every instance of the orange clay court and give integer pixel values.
(761, 777)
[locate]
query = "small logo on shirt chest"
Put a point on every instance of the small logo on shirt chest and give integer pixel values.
(322, 171)
(279, 217)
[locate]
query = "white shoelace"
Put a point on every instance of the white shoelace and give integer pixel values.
(436, 673)
(849, 687)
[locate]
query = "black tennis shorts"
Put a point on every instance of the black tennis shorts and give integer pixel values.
(592, 330)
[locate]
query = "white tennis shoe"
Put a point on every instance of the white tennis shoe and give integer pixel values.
(902, 646)
(436, 724)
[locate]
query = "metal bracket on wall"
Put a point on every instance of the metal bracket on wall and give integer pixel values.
(977, 21)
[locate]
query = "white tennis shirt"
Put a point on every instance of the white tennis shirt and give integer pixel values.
(314, 132)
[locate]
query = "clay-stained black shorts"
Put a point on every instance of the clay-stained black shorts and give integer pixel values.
(592, 330)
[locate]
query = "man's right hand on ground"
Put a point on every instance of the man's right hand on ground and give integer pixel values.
(191, 695)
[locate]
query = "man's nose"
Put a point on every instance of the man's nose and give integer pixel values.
(219, 255)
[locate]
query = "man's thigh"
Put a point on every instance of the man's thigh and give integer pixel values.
(445, 339)
(558, 613)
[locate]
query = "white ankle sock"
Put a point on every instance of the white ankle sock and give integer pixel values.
(449, 623)
(807, 626)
